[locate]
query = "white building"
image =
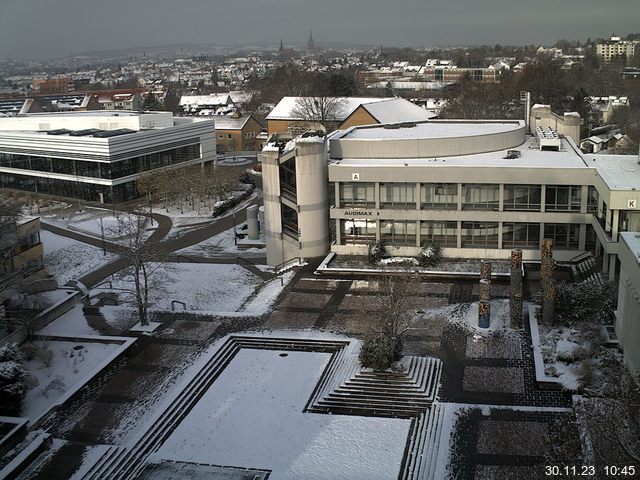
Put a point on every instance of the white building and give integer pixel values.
(477, 188)
(97, 155)
(614, 48)
(627, 316)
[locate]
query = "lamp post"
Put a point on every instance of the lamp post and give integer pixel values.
(104, 245)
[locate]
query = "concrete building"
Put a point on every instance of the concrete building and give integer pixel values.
(98, 155)
(627, 318)
(616, 48)
(477, 188)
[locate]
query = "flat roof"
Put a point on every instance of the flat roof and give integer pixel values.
(620, 172)
(530, 157)
(430, 129)
(89, 113)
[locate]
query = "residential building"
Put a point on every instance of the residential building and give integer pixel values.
(477, 188)
(52, 86)
(99, 155)
(129, 100)
(236, 133)
(350, 111)
(627, 324)
(615, 48)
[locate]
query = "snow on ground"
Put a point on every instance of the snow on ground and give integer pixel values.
(449, 265)
(42, 300)
(71, 323)
(221, 244)
(202, 286)
(68, 364)
(467, 316)
(268, 294)
(252, 416)
(74, 322)
(68, 259)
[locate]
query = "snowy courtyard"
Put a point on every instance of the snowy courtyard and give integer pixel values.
(253, 417)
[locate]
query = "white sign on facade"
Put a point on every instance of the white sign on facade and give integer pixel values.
(355, 177)
(632, 204)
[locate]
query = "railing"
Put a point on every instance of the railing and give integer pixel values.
(292, 262)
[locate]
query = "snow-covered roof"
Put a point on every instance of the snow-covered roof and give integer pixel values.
(530, 157)
(431, 130)
(225, 122)
(620, 172)
(283, 110)
(394, 110)
(200, 100)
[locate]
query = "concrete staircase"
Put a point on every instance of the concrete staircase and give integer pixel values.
(586, 270)
(354, 391)
(129, 463)
(423, 447)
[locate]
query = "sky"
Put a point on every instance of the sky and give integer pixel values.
(58, 28)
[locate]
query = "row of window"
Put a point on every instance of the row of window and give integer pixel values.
(111, 170)
(444, 196)
(473, 234)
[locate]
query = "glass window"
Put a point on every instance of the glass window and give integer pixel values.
(480, 197)
(357, 231)
(563, 198)
(357, 195)
(397, 195)
(564, 235)
(479, 235)
(398, 232)
(439, 196)
(522, 197)
(522, 235)
(441, 233)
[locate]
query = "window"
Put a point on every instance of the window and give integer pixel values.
(398, 232)
(563, 235)
(563, 198)
(357, 195)
(521, 235)
(439, 196)
(480, 197)
(439, 74)
(479, 235)
(357, 231)
(522, 197)
(441, 233)
(289, 221)
(288, 179)
(229, 136)
(397, 195)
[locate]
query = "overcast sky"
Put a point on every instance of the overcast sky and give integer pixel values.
(56, 28)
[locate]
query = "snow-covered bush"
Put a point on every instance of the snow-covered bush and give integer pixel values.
(380, 351)
(430, 255)
(32, 351)
(376, 251)
(13, 380)
(583, 302)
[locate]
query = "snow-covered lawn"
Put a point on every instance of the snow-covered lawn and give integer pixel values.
(202, 286)
(252, 417)
(58, 366)
(68, 259)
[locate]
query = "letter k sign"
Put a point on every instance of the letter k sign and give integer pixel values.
(632, 203)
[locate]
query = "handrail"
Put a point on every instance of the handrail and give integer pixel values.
(292, 262)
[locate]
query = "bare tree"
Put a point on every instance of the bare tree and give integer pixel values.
(144, 258)
(322, 110)
(396, 298)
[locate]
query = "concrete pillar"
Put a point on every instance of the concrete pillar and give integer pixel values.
(261, 220)
(515, 285)
(485, 270)
(484, 314)
(605, 263)
(612, 267)
(252, 222)
(485, 290)
(547, 264)
(615, 217)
